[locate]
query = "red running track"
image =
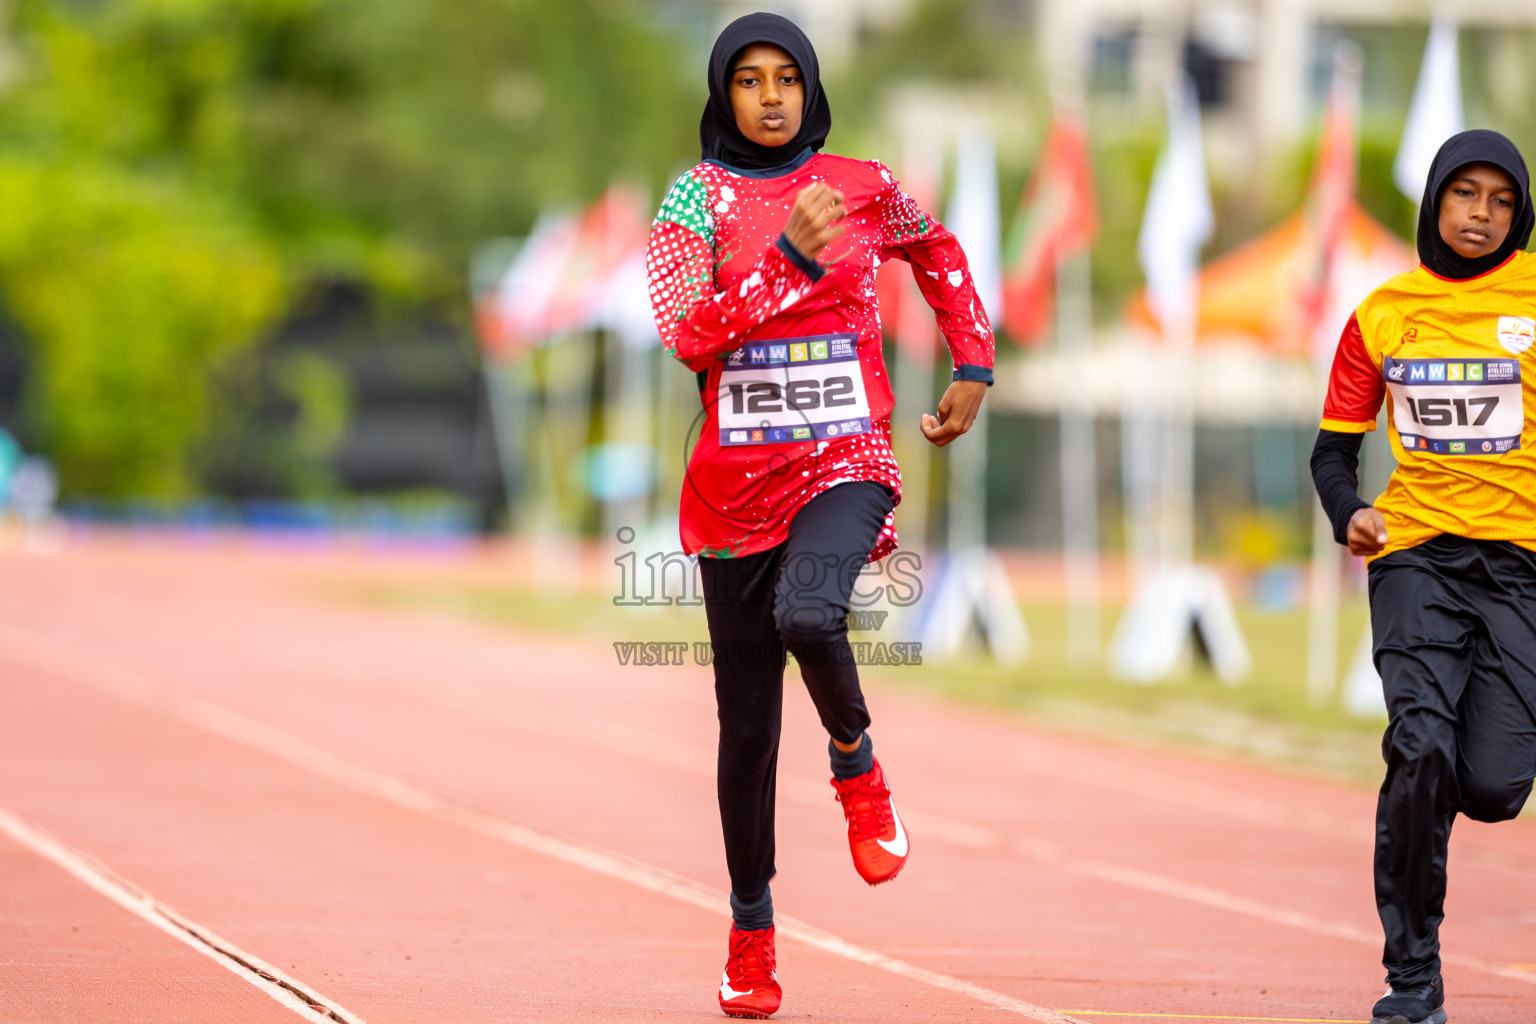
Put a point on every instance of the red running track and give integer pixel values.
(408, 817)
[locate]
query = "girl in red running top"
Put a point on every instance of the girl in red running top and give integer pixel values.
(762, 268)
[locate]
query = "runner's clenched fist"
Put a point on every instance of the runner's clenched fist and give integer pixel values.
(816, 219)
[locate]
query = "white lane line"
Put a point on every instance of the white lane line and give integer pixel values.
(295, 995)
(134, 688)
(628, 740)
(1149, 881)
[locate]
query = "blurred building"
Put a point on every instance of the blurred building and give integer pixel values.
(834, 25)
(1259, 65)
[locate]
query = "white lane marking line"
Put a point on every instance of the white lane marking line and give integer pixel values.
(634, 742)
(295, 995)
(1149, 881)
(1209, 1016)
(134, 688)
(237, 726)
(631, 741)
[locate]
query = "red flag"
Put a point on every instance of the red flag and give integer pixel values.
(562, 275)
(1057, 219)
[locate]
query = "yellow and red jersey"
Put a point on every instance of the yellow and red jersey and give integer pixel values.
(1458, 361)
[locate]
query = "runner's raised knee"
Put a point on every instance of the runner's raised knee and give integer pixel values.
(1493, 799)
(810, 620)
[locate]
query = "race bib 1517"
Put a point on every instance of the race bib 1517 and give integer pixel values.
(1456, 406)
(792, 391)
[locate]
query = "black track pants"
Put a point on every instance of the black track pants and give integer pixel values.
(1454, 622)
(794, 596)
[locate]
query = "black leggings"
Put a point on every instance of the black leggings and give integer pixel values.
(1454, 622)
(793, 597)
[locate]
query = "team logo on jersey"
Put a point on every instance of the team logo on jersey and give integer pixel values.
(1517, 333)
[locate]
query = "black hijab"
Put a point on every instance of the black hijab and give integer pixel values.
(1479, 146)
(719, 137)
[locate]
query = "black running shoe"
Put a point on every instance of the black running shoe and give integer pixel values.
(1422, 1005)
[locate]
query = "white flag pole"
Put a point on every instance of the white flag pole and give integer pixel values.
(1079, 461)
(973, 585)
(1076, 425)
(1324, 585)
(973, 217)
(920, 168)
(1154, 633)
(1177, 223)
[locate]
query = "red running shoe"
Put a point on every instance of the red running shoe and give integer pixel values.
(750, 985)
(875, 832)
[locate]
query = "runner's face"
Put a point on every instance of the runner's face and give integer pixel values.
(767, 95)
(1477, 209)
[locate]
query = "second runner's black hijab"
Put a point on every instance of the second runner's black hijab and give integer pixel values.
(1478, 146)
(719, 138)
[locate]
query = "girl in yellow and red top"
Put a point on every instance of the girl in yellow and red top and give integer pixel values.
(1452, 539)
(762, 267)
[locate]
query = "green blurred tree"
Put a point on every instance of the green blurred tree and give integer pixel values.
(176, 174)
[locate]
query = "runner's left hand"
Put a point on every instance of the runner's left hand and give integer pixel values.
(957, 411)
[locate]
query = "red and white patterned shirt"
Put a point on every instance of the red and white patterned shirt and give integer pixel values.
(796, 394)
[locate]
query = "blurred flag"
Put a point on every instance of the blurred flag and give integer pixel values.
(1241, 292)
(1330, 196)
(903, 311)
(570, 275)
(1178, 218)
(1057, 219)
(973, 215)
(1435, 114)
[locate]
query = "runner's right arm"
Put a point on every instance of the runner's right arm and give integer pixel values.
(696, 322)
(1355, 393)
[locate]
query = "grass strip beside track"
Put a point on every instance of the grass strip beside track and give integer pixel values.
(1269, 719)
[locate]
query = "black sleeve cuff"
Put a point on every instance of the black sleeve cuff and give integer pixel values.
(810, 268)
(1335, 473)
(970, 371)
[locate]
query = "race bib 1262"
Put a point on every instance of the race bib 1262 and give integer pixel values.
(791, 391)
(1456, 406)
